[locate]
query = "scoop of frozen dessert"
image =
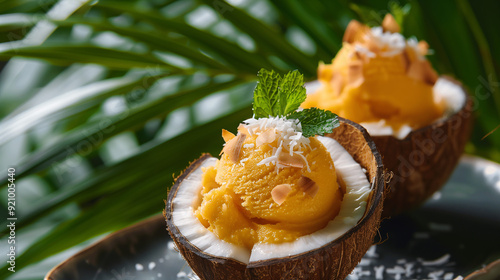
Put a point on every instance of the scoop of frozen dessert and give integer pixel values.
(378, 75)
(271, 185)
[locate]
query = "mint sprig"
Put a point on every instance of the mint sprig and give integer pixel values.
(315, 121)
(275, 96)
(265, 95)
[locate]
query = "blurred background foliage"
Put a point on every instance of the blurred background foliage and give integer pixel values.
(102, 101)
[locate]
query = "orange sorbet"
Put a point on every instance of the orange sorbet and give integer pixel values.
(259, 191)
(378, 75)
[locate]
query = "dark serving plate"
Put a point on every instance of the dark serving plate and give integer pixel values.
(455, 233)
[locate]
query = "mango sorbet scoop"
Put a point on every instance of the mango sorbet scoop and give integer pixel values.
(271, 185)
(379, 76)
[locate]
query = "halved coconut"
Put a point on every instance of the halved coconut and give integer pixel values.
(422, 160)
(309, 257)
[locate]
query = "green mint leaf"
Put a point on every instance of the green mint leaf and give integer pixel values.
(276, 96)
(292, 92)
(315, 121)
(265, 95)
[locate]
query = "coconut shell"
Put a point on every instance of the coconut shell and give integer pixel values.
(489, 272)
(422, 162)
(334, 260)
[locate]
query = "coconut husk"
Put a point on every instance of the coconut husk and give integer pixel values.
(334, 260)
(422, 162)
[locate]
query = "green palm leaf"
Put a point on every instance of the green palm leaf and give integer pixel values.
(68, 104)
(226, 50)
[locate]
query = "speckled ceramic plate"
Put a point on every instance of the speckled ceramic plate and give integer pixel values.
(454, 233)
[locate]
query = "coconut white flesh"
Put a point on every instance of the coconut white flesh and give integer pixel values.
(444, 91)
(450, 94)
(351, 211)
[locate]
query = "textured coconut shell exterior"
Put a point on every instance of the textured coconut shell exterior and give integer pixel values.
(334, 260)
(422, 162)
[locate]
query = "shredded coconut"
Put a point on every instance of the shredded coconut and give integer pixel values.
(413, 43)
(442, 260)
(391, 43)
(289, 134)
(363, 50)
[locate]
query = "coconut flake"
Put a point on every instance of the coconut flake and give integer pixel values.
(423, 47)
(391, 43)
(268, 136)
(390, 24)
(308, 186)
(364, 52)
(233, 148)
(420, 48)
(291, 161)
(421, 70)
(440, 261)
(280, 192)
(242, 129)
(226, 135)
(352, 29)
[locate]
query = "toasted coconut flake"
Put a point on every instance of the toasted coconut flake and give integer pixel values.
(430, 75)
(372, 44)
(352, 30)
(337, 83)
(226, 135)
(292, 161)
(233, 148)
(423, 47)
(422, 70)
(268, 136)
(416, 71)
(390, 24)
(308, 186)
(355, 73)
(280, 192)
(243, 129)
